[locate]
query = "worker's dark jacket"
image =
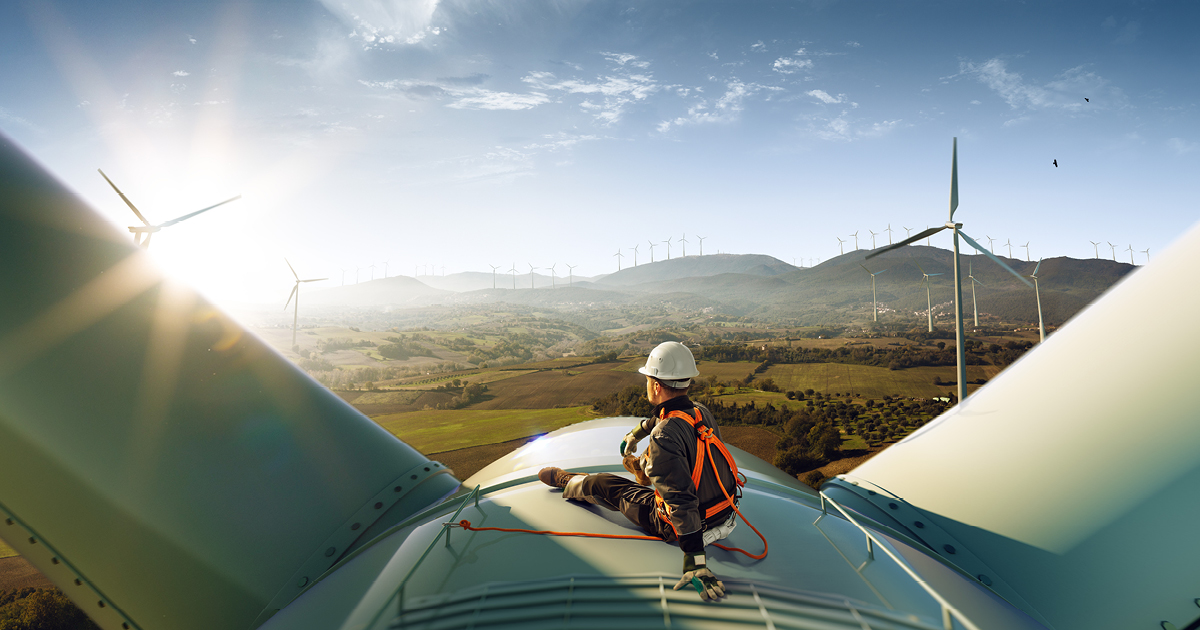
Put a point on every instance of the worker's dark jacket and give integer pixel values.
(669, 460)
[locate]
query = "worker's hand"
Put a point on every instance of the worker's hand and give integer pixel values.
(701, 578)
(629, 444)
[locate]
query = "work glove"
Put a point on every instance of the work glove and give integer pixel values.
(629, 444)
(701, 578)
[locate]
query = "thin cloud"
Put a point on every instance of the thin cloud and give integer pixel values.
(11, 118)
(828, 99)
(853, 44)
(758, 46)
(181, 73)
(486, 99)
(1065, 92)
(843, 128)
(378, 23)
(725, 109)
(615, 92)
(464, 98)
(1181, 146)
(792, 64)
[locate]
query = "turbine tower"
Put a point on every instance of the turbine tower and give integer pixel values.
(974, 281)
(841, 250)
(1147, 253)
(635, 253)
(1096, 246)
(855, 235)
(928, 299)
(494, 268)
(907, 231)
(668, 242)
(1130, 250)
(1038, 294)
(873, 235)
(571, 274)
(651, 250)
(552, 284)
(874, 301)
(142, 233)
(1026, 246)
(385, 269)
(356, 271)
(991, 243)
(372, 267)
(531, 268)
(889, 231)
(619, 256)
(684, 242)
(513, 271)
(701, 239)
(1114, 250)
(956, 228)
(296, 293)
(343, 277)
(1009, 245)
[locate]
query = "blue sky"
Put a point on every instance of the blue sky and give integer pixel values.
(469, 134)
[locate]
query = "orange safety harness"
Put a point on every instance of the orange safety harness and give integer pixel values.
(705, 440)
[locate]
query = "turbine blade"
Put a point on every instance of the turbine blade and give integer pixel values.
(954, 179)
(190, 215)
(935, 274)
(912, 239)
(124, 198)
(1039, 266)
(877, 273)
(314, 280)
(865, 268)
(292, 268)
(919, 266)
(972, 243)
(977, 282)
(289, 300)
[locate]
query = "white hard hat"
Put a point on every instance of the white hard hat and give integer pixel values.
(672, 363)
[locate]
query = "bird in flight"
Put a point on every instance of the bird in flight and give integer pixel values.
(1087, 100)
(1056, 163)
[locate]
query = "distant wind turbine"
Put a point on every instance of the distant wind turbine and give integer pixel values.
(855, 235)
(1009, 245)
(343, 277)
(635, 253)
(974, 281)
(296, 293)
(142, 233)
(1026, 246)
(513, 271)
(956, 228)
(1130, 250)
(1114, 250)
(874, 301)
(494, 268)
(619, 256)
(928, 239)
(372, 272)
(552, 284)
(356, 271)
(928, 299)
(684, 242)
(531, 268)
(1096, 246)
(668, 242)
(889, 231)
(873, 235)
(701, 238)
(991, 243)
(840, 243)
(1037, 293)
(571, 274)
(1147, 253)
(385, 269)
(907, 232)
(651, 250)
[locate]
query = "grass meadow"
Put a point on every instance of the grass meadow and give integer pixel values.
(871, 382)
(437, 431)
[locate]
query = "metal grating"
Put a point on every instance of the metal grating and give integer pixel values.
(603, 602)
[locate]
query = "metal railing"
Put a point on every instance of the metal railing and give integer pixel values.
(949, 612)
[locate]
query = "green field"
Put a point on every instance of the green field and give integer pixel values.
(437, 431)
(871, 382)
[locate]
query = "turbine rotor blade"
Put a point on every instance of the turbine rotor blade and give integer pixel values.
(865, 268)
(124, 198)
(911, 239)
(190, 215)
(954, 180)
(289, 300)
(935, 274)
(878, 272)
(313, 280)
(292, 268)
(1035, 269)
(972, 243)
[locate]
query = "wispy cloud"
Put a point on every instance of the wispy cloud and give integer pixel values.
(844, 128)
(853, 44)
(463, 97)
(828, 99)
(10, 118)
(1181, 146)
(181, 73)
(1066, 92)
(386, 22)
(615, 92)
(792, 64)
(758, 46)
(725, 109)
(486, 99)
